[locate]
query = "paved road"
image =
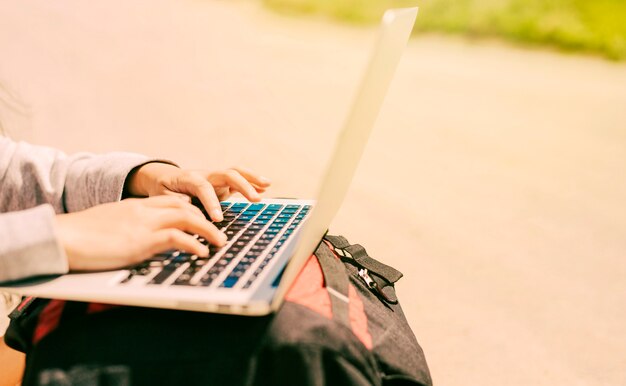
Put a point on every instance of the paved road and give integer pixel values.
(494, 179)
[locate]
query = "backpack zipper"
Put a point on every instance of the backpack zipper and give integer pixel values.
(372, 285)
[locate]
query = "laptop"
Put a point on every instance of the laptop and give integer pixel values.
(268, 242)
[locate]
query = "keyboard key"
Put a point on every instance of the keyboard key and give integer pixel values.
(165, 273)
(208, 278)
(257, 248)
(229, 282)
(249, 258)
(235, 249)
(139, 271)
(246, 237)
(237, 208)
(159, 258)
(182, 258)
(184, 278)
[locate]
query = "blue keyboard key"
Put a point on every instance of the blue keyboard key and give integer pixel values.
(230, 282)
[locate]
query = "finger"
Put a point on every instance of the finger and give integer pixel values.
(238, 183)
(198, 186)
(191, 224)
(181, 196)
(163, 201)
(207, 196)
(253, 177)
(173, 200)
(167, 239)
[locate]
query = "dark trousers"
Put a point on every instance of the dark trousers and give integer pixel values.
(138, 346)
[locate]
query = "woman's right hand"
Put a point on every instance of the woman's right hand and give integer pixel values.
(123, 233)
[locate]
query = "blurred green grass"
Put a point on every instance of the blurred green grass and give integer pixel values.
(597, 26)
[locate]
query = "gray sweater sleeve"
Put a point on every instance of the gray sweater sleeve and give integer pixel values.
(38, 182)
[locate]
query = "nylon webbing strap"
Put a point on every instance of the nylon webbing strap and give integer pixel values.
(337, 241)
(337, 283)
(359, 254)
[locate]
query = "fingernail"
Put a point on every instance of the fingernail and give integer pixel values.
(265, 180)
(217, 215)
(223, 239)
(205, 251)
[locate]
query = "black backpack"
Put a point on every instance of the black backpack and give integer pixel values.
(341, 324)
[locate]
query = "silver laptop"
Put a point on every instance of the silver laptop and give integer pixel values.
(268, 242)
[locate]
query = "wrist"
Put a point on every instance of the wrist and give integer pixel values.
(142, 181)
(65, 235)
(134, 186)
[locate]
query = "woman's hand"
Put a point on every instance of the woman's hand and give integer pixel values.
(127, 232)
(157, 178)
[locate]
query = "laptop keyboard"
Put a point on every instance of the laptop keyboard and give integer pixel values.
(256, 232)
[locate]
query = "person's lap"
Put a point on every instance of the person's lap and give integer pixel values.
(151, 346)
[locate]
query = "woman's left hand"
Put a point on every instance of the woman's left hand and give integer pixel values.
(210, 188)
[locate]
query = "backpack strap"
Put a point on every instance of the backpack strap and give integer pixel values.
(360, 256)
(338, 242)
(377, 276)
(336, 282)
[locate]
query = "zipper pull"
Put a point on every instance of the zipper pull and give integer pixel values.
(367, 279)
(364, 274)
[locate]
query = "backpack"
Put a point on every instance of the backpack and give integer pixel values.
(341, 324)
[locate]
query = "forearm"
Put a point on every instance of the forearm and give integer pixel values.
(29, 245)
(98, 179)
(34, 175)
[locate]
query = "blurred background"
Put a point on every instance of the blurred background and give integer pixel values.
(494, 179)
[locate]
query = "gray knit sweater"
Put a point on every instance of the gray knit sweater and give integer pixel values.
(37, 182)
